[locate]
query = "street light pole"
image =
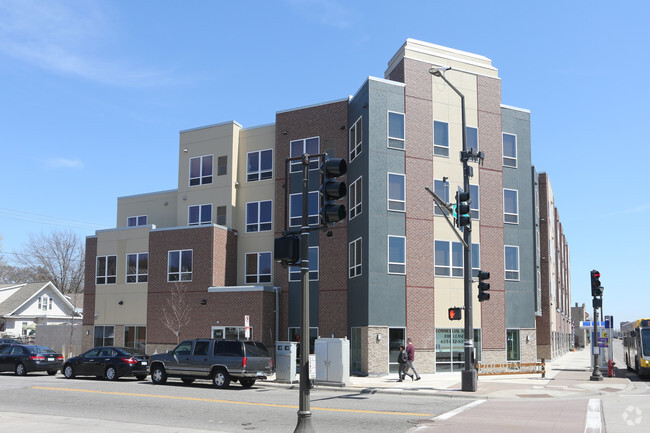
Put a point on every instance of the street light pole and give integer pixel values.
(468, 376)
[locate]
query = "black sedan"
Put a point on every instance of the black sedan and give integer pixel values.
(107, 362)
(25, 358)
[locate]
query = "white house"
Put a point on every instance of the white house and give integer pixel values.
(23, 306)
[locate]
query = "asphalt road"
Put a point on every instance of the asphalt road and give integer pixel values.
(201, 406)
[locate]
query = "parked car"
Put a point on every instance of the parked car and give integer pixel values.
(220, 361)
(8, 341)
(25, 358)
(107, 362)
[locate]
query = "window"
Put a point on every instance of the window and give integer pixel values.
(354, 258)
(396, 255)
(355, 198)
(201, 170)
(258, 216)
(309, 146)
(396, 192)
(258, 268)
(106, 271)
(396, 130)
(441, 188)
(513, 352)
(509, 150)
(474, 205)
(137, 266)
(440, 138)
(221, 215)
(260, 165)
(200, 214)
(449, 259)
(471, 135)
(355, 139)
(450, 353)
(512, 262)
(510, 206)
(179, 265)
(104, 336)
(222, 165)
(45, 303)
(294, 271)
(135, 337)
(136, 221)
(295, 209)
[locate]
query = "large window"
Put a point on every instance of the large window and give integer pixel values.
(221, 215)
(106, 270)
(201, 170)
(441, 188)
(440, 138)
(355, 198)
(135, 337)
(179, 265)
(450, 349)
(512, 262)
(474, 205)
(294, 271)
(200, 214)
(396, 255)
(513, 351)
(258, 268)
(310, 146)
(471, 135)
(355, 139)
(511, 206)
(137, 267)
(295, 209)
(476, 259)
(104, 336)
(258, 216)
(136, 221)
(260, 165)
(509, 150)
(354, 258)
(396, 130)
(396, 192)
(449, 259)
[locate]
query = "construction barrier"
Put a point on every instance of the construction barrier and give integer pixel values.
(484, 369)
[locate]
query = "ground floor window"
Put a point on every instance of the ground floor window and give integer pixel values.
(396, 338)
(136, 337)
(231, 332)
(355, 350)
(513, 350)
(450, 349)
(104, 336)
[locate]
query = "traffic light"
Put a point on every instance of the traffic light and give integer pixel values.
(596, 288)
(287, 249)
(483, 287)
(455, 313)
(332, 189)
(462, 209)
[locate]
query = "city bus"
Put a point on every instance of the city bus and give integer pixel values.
(636, 345)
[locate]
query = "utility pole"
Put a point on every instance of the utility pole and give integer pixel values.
(597, 293)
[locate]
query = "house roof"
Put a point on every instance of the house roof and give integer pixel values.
(24, 293)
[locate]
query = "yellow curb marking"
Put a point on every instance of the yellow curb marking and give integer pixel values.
(229, 401)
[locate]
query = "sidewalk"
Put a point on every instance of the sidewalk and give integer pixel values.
(566, 377)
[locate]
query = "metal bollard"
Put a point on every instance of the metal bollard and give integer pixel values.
(543, 369)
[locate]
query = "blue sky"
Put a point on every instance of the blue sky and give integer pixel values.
(94, 93)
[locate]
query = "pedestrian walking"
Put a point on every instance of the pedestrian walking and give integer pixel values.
(402, 361)
(410, 352)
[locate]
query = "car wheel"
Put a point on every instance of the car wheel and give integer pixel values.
(111, 373)
(187, 381)
(68, 372)
(141, 377)
(221, 378)
(158, 375)
(247, 382)
(51, 372)
(20, 370)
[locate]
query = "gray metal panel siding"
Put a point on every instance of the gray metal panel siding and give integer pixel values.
(521, 295)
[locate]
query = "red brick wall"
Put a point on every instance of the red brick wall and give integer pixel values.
(89, 282)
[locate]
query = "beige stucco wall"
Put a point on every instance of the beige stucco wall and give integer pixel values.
(159, 207)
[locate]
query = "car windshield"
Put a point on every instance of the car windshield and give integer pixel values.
(645, 341)
(39, 349)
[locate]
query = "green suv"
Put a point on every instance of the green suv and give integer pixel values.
(220, 361)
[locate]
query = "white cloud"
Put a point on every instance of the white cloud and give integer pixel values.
(56, 163)
(71, 38)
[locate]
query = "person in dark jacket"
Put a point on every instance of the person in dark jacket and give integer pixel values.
(402, 361)
(410, 351)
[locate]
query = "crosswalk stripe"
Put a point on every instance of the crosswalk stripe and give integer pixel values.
(594, 419)
(458, 410)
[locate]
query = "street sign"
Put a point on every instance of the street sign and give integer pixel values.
(247, 328)
(603, 342)
(590, 324)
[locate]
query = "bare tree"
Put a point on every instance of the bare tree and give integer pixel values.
(176, 314)
(58, 257)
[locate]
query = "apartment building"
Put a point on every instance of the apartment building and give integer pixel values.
(197, 261)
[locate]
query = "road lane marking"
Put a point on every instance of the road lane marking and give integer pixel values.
(325, 409)
(593, 423)
(446, 416)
